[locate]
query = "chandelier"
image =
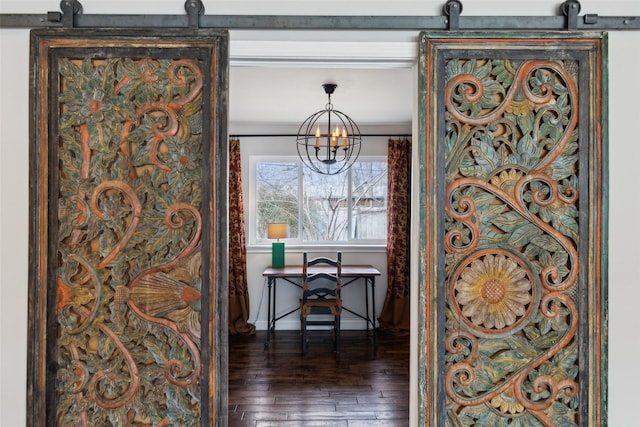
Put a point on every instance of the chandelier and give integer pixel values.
(328, 140)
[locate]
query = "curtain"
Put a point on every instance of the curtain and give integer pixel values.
(238, 290)
(394, 317)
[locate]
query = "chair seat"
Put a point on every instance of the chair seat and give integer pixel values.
(332, 306)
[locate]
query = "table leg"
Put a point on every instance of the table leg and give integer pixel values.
(270, 321)
(366, 302)
(273, 323)
(373, 306)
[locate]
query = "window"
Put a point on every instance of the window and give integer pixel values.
(350, 207)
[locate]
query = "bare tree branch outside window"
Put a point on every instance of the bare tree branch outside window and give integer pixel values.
(344, 207)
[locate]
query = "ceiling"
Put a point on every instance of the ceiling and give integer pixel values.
(278, 80)
(290, 95)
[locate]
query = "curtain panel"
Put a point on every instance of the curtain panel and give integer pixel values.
(238, 291)
(394, 317)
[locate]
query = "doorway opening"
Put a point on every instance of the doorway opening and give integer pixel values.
(272, 91)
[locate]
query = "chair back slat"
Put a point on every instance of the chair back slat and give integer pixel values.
(322, 261)
(323, 298)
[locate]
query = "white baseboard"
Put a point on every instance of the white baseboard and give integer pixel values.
(293, 324)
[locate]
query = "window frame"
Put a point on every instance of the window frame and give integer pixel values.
(251, 205)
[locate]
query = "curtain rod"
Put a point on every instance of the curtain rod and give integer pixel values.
(71, 16)
(287, 135)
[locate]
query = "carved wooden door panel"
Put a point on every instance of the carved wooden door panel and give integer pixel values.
(128, 230)
(513, 230)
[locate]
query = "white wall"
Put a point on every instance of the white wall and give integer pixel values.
(259, 256)
(624, 150)
(624, 233)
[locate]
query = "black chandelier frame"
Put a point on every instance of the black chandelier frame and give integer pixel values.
(329, 141)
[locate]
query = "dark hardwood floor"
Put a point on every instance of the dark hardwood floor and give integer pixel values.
(280, 386)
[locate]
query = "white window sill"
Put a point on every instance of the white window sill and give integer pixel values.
(323, 247)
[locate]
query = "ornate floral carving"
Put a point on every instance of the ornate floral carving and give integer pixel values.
(511, 240)
(129, 285)
(493, 292)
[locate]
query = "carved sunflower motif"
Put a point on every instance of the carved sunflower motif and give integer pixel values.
(506, 180)
(520, 107)
(507, 403)
(493, 291)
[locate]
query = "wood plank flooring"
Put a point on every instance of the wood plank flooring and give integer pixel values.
(280, 386)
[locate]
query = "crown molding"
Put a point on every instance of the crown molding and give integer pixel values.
(329, 54)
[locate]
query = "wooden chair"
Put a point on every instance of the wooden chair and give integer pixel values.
(321, 297)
